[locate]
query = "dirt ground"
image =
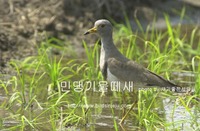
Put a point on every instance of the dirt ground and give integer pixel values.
(25, 23)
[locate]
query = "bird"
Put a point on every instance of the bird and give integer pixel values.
(116, 67)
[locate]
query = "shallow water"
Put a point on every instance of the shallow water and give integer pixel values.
(102, 118)
(106, 109)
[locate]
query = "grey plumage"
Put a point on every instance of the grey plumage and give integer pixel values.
(115, 66)
(136, 73)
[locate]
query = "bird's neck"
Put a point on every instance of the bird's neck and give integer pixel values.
(107, 45)
(109, 50)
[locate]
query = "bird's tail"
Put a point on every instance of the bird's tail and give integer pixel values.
(161, 82)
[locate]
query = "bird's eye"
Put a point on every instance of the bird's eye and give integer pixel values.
(102, 26)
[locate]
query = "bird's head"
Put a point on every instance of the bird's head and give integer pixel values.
(101, 27)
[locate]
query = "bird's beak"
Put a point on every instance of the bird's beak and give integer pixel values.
(92, 30)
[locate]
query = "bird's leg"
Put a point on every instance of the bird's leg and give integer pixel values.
(125, 114)
(123, 98)
(123, 102)
(124, 117)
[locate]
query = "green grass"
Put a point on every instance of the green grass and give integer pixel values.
(36, 100)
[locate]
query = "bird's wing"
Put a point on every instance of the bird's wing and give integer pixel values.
(131, 71)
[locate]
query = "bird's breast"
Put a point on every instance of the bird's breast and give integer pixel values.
(102, 59)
